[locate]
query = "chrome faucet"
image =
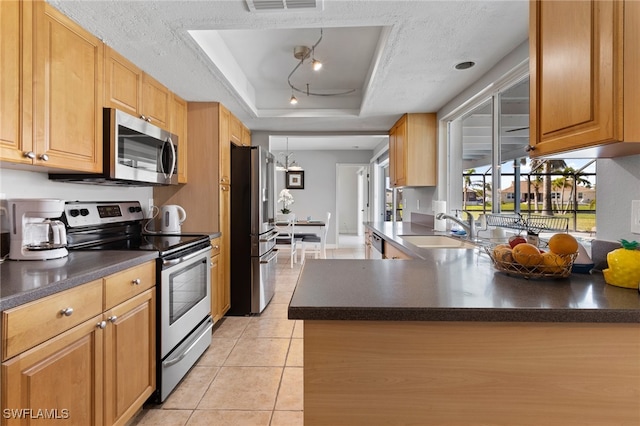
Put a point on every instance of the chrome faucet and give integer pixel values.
(469, 226)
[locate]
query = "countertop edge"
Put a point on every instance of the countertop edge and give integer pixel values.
(18, 299)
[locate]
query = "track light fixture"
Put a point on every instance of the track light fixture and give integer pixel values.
(293, 99)
(304, 52)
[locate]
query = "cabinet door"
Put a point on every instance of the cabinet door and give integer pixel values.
(68, 70)
(224, 147)
(130, 354)
(246, 136)
(224, 289)
(62, 375)
(178, 126)
(576, 74)
(155, 102)
(122, 83)
(13, 27)
(215, 286)
(397, 152)
(235, 130)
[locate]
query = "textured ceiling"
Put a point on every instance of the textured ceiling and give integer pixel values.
(400, 53)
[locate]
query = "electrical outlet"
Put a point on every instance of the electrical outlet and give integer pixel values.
(635, 216)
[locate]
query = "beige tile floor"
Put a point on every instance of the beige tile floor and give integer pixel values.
(252, 372)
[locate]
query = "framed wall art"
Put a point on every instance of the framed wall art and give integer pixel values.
(295, 180)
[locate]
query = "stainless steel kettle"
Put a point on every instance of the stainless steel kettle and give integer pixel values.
(171, 218)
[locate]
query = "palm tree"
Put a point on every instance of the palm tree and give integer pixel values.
(467, 186)
(549, 166)
(535, 180)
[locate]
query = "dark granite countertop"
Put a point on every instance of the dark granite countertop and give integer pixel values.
(25, 281)
(450, 285)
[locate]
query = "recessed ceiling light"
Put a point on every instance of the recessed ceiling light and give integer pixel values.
(464, 65)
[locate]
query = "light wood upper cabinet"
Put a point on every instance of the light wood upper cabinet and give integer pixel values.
(246, 136)
(585, 90)
(130, 89)
(12, 66)
(235, 130)
(55, 68)
(413, 150)
(178, 126)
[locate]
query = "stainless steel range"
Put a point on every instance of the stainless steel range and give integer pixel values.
(183, 277)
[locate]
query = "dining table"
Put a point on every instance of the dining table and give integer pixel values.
(311, 226)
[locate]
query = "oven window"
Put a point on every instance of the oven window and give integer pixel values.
(187, 287)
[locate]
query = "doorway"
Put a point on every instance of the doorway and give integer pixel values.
(351, 201)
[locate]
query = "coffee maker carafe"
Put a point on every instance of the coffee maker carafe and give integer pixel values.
(35, 232)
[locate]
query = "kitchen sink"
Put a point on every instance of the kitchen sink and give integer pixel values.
(437, 241)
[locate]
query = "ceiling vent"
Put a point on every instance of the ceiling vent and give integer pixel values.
(282, 5)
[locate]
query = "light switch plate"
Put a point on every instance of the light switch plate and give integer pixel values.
(635, 216)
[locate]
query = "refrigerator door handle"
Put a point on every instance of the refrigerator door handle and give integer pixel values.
(270, 258)
(270, 237)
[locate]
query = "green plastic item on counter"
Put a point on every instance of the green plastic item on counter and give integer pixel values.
(624, 266)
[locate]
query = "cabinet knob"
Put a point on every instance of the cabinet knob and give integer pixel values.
(143, 117)
(210, 264)
(149, 119)
(137, 281)
(67, 311)
(529, 148)
(101, 325)
(112, 318)
(30, 154)
(44, 157)
(216, 247)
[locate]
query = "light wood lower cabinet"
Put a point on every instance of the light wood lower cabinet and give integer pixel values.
(129, 357)
(216, 314)
(392, 252)
(98, 371)
(62, 377)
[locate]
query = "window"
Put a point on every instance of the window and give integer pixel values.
(488, 161)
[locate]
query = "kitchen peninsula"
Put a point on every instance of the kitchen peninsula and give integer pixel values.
(446, 339)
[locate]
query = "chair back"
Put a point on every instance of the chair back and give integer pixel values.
(326, 226)
(285, 232)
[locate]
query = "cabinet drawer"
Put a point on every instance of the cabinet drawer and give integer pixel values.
(215, 246)
(25, 326)
(391, 252)
(126, 284)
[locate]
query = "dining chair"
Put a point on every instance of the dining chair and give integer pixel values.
(286, 240)
(316, 244)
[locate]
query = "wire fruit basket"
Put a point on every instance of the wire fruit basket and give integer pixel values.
(544, 265)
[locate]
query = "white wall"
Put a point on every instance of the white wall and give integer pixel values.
(618, 183)
(347, 192)
(319, 194)
(28, 184)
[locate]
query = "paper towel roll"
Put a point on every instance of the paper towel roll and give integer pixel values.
(439, 207)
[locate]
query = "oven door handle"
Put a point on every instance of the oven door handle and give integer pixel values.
(171, 262)
(273, 256)
(170, 362)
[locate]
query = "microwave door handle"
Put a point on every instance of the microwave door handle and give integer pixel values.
(173, 158)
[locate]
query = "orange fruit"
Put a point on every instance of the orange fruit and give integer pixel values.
(553, 263)
(502, 255)
(563, 244)
(527, 254)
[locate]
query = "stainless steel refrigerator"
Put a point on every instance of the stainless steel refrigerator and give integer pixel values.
(253, 234)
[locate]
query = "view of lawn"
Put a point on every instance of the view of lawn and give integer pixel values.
(585, 217)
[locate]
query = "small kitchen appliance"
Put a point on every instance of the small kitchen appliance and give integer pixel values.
(171, 218)
(35, 233)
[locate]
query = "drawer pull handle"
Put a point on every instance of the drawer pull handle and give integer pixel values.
(67, 311)
(137, 281)
(113, 318)
(101, 325)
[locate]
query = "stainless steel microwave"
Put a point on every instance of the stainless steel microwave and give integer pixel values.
(135, 153)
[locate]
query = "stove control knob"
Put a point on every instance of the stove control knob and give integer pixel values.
(74, 212)
(132, 209)
(138, 209)
(84, 212)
